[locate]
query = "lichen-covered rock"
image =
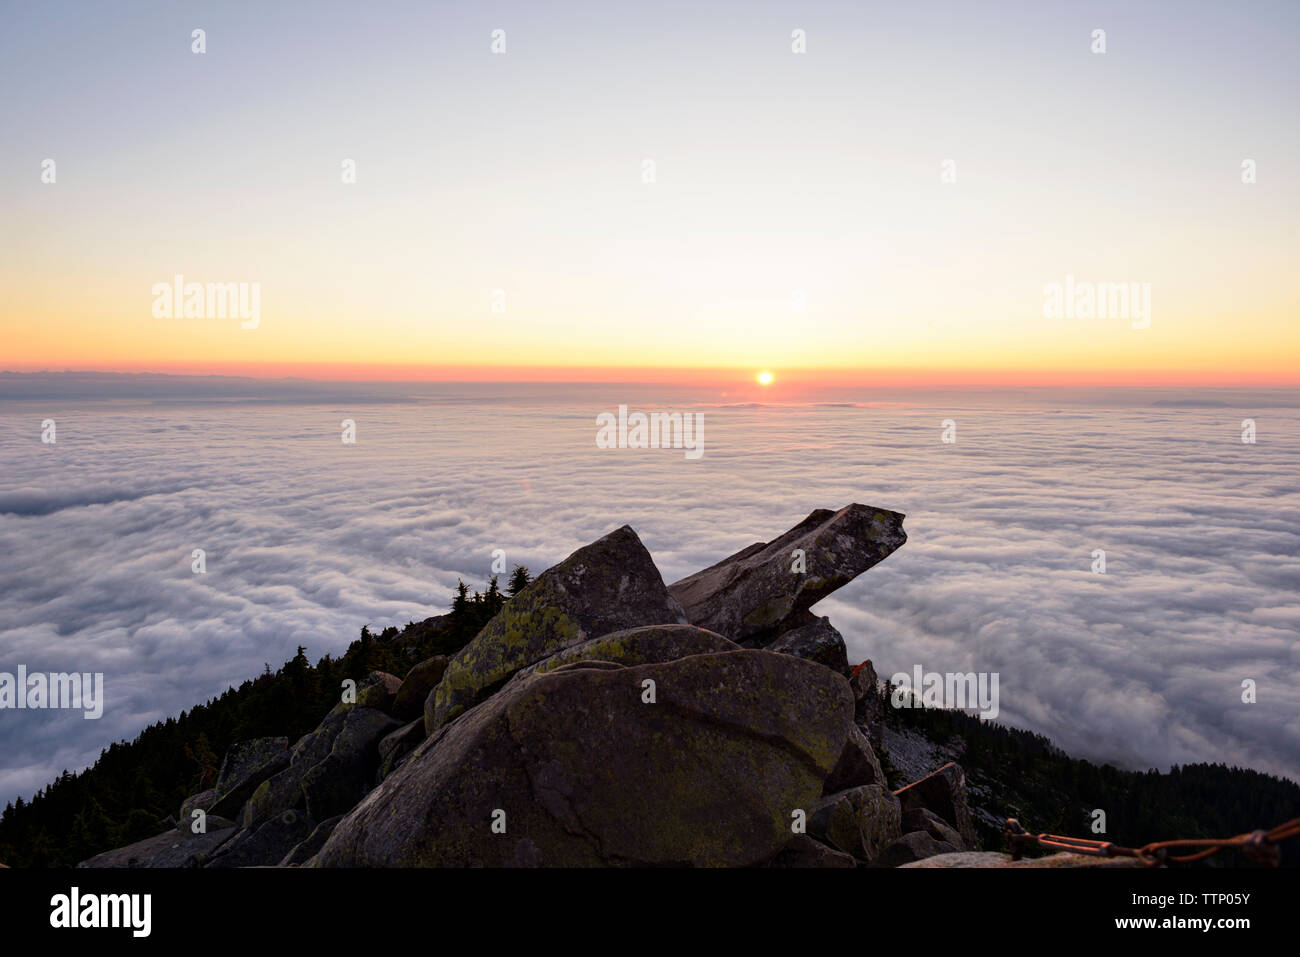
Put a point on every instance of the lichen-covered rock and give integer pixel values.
(265, 845)
(581, 767)
(858, 822)
(172, 848)
(609, 585)
(649, 644)
(944, 793)
(756, 594)
(858, 765)
(817, 641)
(417, 686)
(244, 768)
(804, 851)
(914, 846)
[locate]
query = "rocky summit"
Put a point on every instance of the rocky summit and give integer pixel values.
(604, 719)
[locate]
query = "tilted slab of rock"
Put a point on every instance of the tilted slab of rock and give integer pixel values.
(609, 585)
(756, 594)
(587, 773)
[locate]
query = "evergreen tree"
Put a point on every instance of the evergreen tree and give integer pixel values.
(519, 580)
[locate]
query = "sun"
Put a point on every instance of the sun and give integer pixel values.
(765, 378)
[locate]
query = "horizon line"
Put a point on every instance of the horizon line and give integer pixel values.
(720, 376)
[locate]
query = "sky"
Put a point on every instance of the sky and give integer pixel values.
(500, 225)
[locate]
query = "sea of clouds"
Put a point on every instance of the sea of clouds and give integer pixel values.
(308, 539)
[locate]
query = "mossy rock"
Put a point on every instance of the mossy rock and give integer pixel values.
(607, 586)
(588, 773)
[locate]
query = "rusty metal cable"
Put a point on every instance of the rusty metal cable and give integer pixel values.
(1259, 846)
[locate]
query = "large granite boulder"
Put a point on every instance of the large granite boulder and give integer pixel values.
(817, 641)
(172, 848)
(584, 766)
(244, 768)
(609, 585)
(760, 592)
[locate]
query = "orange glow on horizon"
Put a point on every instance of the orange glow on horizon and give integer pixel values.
(792, 380)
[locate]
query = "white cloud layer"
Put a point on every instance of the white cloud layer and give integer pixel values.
(308, 539)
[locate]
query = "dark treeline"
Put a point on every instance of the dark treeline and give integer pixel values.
(132, 789)
(1023, 775)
